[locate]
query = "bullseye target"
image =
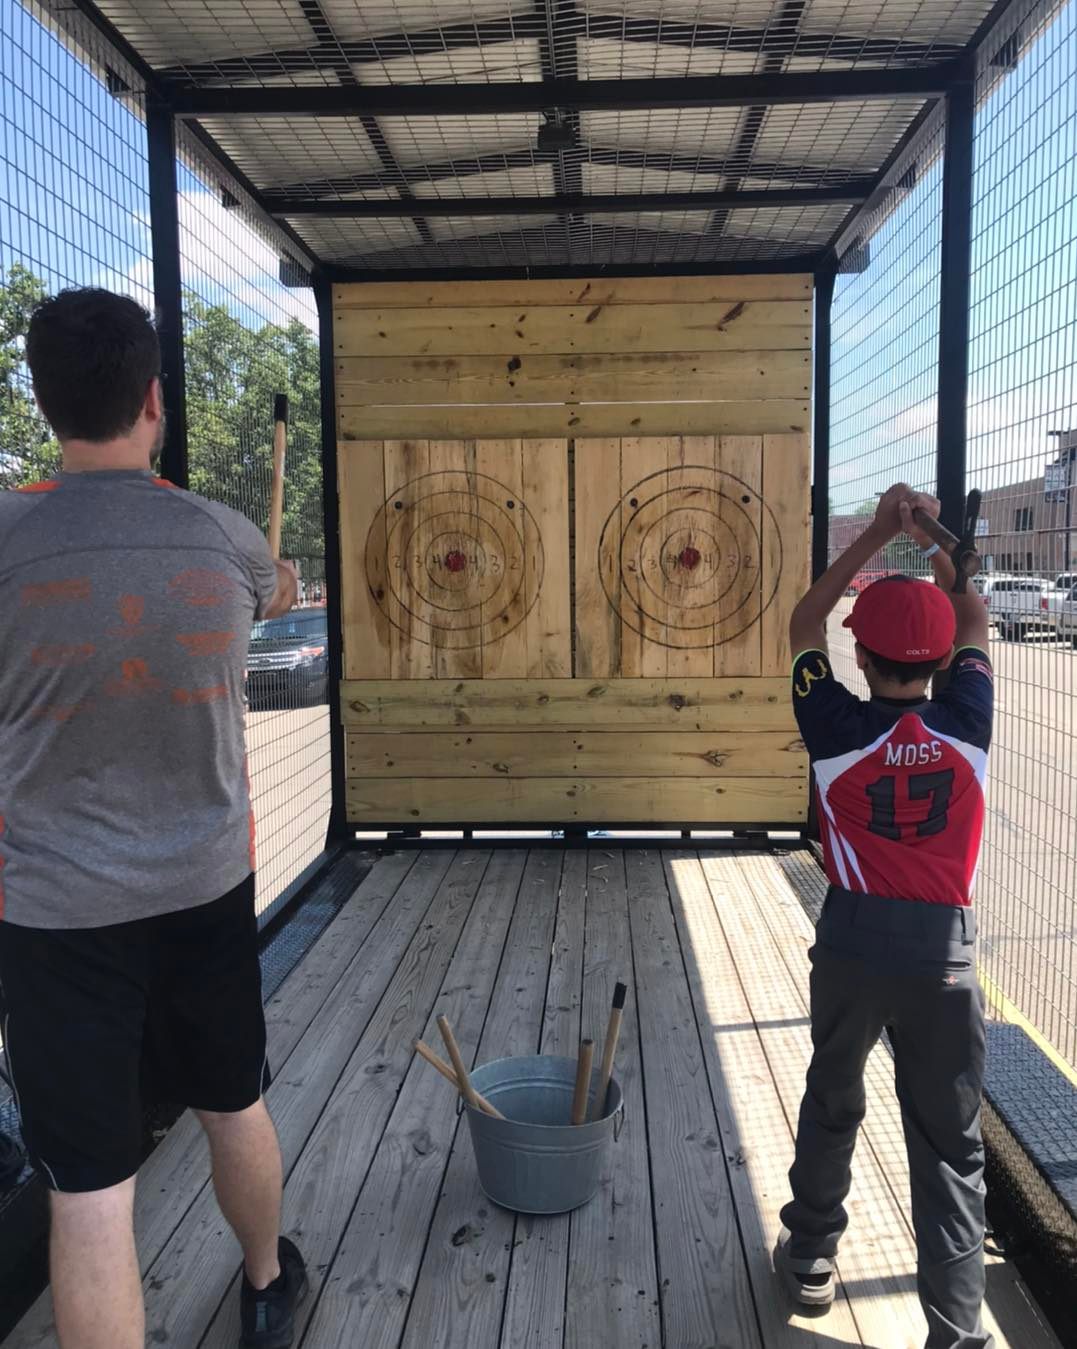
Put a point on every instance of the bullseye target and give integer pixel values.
(455, 559)
(681, 557)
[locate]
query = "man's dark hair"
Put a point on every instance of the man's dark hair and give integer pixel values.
(92, 355)
(904, 671)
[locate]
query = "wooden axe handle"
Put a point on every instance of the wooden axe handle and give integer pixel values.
(947, 541)
(276, 494)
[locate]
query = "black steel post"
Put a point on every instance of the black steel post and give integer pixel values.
(956, 267)
(167, 284)
(338, 817)
(820, 539)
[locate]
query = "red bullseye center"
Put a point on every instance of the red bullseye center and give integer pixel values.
(690, 558)
(455, 561)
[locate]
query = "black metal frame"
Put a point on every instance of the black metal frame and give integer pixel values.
(820, 540)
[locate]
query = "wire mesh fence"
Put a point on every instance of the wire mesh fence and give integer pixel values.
(74, 211)
(1022, 454)
(248, 337)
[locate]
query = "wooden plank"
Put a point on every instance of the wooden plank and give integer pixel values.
(598, 290)
(514, 560)
(597, 579)
(640, 657)
(692, 661)
(188, 1283)
(507, 704)
(705, 1294)
(756, 1131)
(179, 1167)
(551, 420)
(535, 1307)
(361, 483)
(565, 329)
(739, 654)
(329, 1116)
(787, 492)
(877, 1262)
(366, 1291)
(460, 533)
(536, 754)
(461, 1287)
(777, 365)
(549, 613)
(410, 652)
(1009, 1313)
(613, 1283)
(552, 801)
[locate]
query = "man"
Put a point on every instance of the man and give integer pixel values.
(128, 943)
(899, 780)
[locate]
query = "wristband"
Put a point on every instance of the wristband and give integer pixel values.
(930, 552)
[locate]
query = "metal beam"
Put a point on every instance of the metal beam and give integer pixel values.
(323, 31)
(491, 99)
(956, 269)
(576, 203)
(332, 55)
(661, 161)
(820, 538)
(168, 284)
(337, 831)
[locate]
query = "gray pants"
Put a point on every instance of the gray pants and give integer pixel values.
(907, 968)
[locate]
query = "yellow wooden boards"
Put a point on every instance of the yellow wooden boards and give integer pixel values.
(711, 705)
(455, 559)
(549, 801)
(574, 520)
(646, 356)
(690, 552)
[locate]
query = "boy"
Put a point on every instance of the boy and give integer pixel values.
(899, 781)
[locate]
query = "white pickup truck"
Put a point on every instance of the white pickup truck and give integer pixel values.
(1019, 605)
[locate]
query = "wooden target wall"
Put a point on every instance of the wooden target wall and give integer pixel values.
(574, 521)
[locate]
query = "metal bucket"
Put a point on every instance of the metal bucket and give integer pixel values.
(534, 1161)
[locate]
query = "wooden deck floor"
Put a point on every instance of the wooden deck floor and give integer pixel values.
(520, 950)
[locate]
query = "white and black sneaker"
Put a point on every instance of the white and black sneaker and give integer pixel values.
(267, 1315)
(809, 1282)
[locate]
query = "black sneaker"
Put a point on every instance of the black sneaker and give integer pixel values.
(267, 1316)
(810, 1282)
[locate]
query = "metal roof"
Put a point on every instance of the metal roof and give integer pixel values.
(426, 135)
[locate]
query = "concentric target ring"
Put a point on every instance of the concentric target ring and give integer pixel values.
(461, 557)
(687, 551)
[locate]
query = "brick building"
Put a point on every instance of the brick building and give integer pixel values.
(1030, 525)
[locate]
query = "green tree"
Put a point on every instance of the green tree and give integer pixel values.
(28, 450)
(233, 373)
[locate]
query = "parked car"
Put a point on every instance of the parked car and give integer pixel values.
(288, 664)
(863, 579)
(1019, 605)
(1066, 580)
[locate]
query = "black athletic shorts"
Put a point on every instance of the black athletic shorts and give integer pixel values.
(97, 1021)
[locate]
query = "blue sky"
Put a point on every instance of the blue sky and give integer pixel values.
(74, 206)
(1023, 354)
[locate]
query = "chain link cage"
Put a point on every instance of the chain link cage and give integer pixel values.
(74, 211)
(1022, 455)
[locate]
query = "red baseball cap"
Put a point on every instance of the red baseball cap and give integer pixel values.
(904, 619)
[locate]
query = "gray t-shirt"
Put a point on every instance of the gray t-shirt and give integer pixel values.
(125, 613)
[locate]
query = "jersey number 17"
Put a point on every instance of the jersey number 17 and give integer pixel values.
(935, 788)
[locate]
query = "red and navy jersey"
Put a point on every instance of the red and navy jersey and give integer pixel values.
(900, 784)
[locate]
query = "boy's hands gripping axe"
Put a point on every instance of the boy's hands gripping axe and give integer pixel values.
(962, 551)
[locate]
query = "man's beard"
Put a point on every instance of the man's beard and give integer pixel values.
(159, 443)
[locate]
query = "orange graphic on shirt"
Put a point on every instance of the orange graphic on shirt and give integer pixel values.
(201, 588)
(58, 656)
(60, 712)
(206, 643)
(49, 485)
(134, 682)
(56, 592)
(132, 610)
(189, 697)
